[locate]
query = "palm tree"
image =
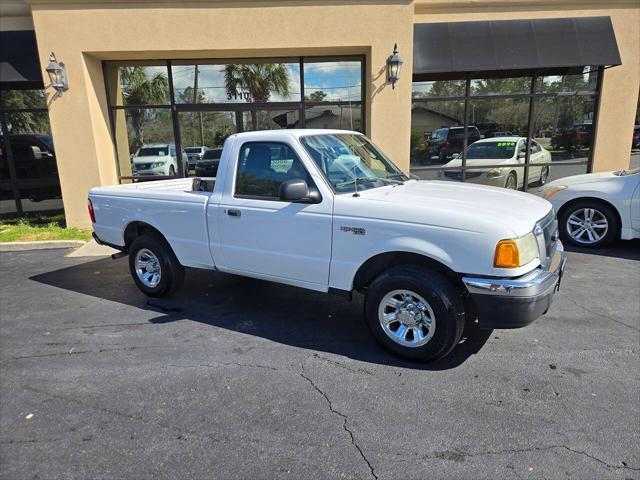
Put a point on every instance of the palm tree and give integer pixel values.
(138, 89)
(259, 79)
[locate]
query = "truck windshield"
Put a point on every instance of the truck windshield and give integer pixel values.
(351, 161)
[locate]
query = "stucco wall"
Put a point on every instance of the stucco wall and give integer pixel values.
(82, 34)
(621, 84)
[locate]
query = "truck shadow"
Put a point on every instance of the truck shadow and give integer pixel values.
(283, 314)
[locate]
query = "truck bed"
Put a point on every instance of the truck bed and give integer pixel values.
(180, 189)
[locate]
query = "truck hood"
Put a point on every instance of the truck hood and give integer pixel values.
(459, 205)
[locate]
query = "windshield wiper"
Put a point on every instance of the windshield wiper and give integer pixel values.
(359, 180)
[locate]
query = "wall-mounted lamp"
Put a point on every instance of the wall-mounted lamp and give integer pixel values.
(394, 66)
(57, 75)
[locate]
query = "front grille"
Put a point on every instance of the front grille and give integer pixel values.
(547, 235)
(143, 166)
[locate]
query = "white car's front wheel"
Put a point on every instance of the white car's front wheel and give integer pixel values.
(588, 223)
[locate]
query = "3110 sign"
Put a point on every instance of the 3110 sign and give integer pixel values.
(246, 96)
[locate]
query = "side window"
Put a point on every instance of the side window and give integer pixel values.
(172, 151)
(535, 148)
(263, 166)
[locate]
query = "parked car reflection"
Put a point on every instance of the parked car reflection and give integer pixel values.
(504, 158)
(208, 166)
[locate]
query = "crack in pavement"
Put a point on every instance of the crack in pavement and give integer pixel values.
(344, 420)
(601, 314)
(221, 364)
(459, 455)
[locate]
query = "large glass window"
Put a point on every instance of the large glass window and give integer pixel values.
(533, 126)
(29, 180)
(196, 105)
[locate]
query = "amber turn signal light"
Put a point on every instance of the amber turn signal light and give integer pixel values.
(507, 254)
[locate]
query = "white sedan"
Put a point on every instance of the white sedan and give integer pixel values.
(500, 162)
(596, 208)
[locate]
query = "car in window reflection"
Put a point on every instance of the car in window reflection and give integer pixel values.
(33, 158)
(208, 166)
(500, 162)
(195, 154)
(574, 138)
(157, 159)
(445, 143)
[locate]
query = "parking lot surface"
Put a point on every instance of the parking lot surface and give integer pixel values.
(238, 378)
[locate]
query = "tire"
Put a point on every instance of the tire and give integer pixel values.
(544, 175)
(511, 182)
(155, 249)
(604, 224)
(442, 304)
(172, 170)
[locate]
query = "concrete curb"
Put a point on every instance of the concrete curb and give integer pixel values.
(39, 245)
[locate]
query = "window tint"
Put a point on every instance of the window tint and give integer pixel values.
(263, 166)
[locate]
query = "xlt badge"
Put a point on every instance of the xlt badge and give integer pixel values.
(354, 230)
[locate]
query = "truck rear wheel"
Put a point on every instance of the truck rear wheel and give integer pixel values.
(415, 312)
(154, 267)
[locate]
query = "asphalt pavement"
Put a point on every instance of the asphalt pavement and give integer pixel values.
(239, 378)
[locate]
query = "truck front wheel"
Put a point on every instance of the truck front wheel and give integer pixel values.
(415, 312)
(154, 267)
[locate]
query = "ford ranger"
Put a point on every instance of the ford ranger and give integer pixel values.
(326, 210)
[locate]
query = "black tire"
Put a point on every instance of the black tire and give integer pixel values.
(172, 170)
(544, 175)
(443, 298)
(172, 272)
(512, 179)
(602, 209)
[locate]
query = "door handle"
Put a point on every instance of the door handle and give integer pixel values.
(232, 212)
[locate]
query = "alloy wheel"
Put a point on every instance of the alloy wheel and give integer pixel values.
(406, 318)
(148, 268)
(587, 225)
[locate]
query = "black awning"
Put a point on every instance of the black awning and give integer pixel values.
(513, 45)
(19, 63)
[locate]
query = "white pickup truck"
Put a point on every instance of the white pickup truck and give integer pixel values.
(326, 210)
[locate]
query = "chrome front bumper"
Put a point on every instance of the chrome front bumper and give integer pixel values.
(516, 302)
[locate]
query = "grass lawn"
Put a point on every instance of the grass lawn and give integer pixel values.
(40, 228)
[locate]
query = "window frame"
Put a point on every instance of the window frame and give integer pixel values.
(176, 108)
(533, 96)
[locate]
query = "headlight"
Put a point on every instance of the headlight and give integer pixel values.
(516, 252)
(494, 172)
(548, 192)
(157, 164)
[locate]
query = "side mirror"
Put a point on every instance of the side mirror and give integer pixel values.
(37, 153)
(297, 190)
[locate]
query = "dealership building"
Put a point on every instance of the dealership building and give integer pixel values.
(87, 86)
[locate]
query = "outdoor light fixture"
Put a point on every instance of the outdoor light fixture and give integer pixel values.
(57, 75)
(394, 66)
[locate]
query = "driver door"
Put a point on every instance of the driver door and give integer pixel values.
(262, 236)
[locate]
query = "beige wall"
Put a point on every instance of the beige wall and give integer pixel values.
(82, 36)
(621, 84)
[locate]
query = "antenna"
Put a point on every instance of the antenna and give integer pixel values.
(355, 181)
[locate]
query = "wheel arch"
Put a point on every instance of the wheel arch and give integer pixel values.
(375, 265)
(565, 206)
(136, 228)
